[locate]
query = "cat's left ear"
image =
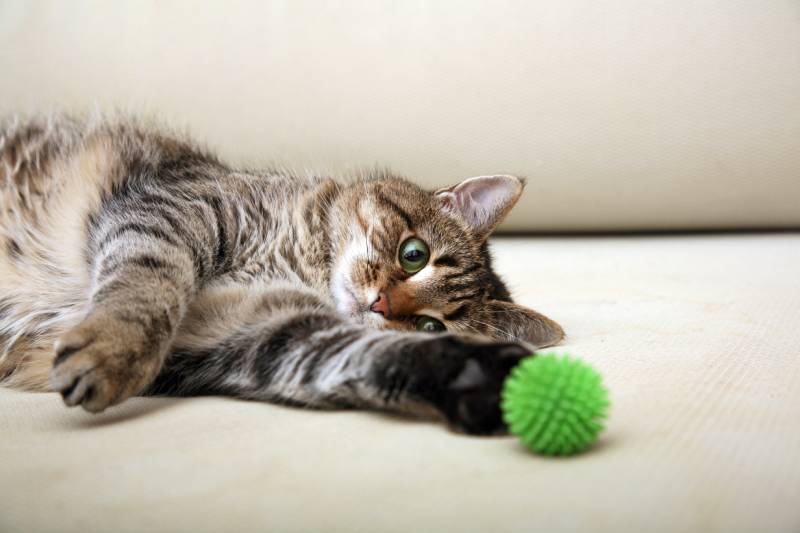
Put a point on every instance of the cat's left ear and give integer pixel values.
(520, 323)
(482, 202)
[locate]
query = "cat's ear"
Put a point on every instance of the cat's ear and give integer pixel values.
(482, 202)
(520, 323)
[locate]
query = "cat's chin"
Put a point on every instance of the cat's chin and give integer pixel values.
(372, 320)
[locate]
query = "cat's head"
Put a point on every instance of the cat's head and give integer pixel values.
(409, 259)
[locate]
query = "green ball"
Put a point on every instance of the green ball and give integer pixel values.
(555, 405)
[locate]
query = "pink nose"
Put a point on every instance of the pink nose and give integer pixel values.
(381, 305)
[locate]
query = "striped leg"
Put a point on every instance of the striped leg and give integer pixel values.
(149, 254)
(307, 355)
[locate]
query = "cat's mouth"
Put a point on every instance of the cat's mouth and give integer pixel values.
(348, 303)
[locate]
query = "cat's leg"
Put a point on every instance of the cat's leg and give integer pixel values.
(148, 251)
(291, 348)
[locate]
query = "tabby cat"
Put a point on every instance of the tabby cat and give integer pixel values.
(134, 262)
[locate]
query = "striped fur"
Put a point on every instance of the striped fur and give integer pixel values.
(134, 262)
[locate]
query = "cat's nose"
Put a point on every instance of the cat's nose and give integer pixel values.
(381, 305)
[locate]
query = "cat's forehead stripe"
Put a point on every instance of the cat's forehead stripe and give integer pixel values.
(396, 208)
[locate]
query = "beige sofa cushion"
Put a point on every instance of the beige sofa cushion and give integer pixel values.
(624, 115)
(698, 341)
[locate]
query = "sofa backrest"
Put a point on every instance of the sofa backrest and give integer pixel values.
(629, 115)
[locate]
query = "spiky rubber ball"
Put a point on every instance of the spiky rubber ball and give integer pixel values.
(555, 404)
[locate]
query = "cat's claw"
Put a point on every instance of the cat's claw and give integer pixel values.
(99, 363)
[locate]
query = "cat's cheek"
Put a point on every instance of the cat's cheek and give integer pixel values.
(341, 284)
(343, 298)
(423, 276)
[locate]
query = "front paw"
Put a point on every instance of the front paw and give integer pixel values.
(471, 377)
(101, 362)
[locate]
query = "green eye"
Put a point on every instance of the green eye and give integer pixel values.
(414, 255)
(429, 325)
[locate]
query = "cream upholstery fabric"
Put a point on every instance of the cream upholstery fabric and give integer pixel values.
(697, 338)
(633, 114)
(625, 115)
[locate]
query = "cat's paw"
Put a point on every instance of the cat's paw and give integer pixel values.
(470, 378)
(101, 362)
(472, 398)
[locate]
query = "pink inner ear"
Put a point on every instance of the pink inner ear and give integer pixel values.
(483, 201)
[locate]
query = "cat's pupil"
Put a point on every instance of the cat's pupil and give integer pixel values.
(413, 255)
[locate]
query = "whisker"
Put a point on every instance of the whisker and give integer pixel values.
(500, 330)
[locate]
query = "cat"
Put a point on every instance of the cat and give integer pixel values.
(133, 262)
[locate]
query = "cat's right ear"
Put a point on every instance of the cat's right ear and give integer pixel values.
(482, 202)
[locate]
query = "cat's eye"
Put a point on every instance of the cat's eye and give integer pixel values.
(414, 255)
(428, 324)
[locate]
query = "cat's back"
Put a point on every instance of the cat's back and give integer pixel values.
(55, 173)
(35, 159)
(49, 161)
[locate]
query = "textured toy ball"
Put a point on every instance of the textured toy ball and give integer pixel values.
(555, 405)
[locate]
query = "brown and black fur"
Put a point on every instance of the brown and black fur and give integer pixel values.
(133, 262)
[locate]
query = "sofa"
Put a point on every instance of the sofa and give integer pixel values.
(660, 226)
